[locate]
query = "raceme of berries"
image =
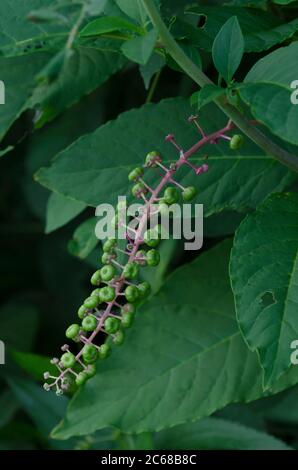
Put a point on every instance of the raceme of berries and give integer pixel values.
(111, 307)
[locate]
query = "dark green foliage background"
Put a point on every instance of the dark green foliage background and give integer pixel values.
(188, 344)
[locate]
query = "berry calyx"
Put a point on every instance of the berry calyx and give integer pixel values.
(89, 353)
(153, 257)
(189, 193)
(96, 278)
(119, 338)
(111, 325)
(89, 323)
(135, 174)
(68, 360)
(131, 271)
(107, 272)
(131, 293)
(107, 294)
(171, 195)
(72, 331)
(91, 302)
(152, 158)
(104, 351)
(236, 142)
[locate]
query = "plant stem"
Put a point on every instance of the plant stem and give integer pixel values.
(272, 149)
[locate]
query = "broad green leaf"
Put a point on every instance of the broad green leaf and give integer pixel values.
(219, 434)
(140, 48)
(18, 324)
(207, 94)
(107, 24)
(18, 75)
(268, 92)
(154, 65)
(183, 359)
(261, 30)
(9, 406)
(228, 48)
(135, 9)
(84, 239)
(264, 275)
(95, 168)
(34, 364)
(60, 210)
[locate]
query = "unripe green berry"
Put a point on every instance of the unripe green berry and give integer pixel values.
(90, 353)
(139, 189)
(95, 292)
(107, 272)
(72, 331)
(96, 278)
(151, 238)
(128, 308)
(152, 158)
(91, 302)
(89, 323)
(119, 338)
(141, 257)
(163, 207)
(131, 271)
(127, 320)
(81, 378)
(107, 258)
(104, 351)
(153, 257)
(135, 174)
(236, 142)
(107, 294)
(144, 289)
(82, 311)
(189, 193)
(68, 360)
(111, 325)
(171, 195)
(131, 293)
(109, 245)
(90, 370)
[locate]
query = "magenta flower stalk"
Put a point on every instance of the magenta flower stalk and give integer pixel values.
(111, 307)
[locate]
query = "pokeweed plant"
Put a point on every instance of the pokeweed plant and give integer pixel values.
(228, 328)
(111, 306)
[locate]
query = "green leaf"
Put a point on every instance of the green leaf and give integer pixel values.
(228, 49)
(140, 48)
(155, 63)
(261, 30)
(84, 239)
(183, 359)
(204, 96)
(61, 210)
(268, 92)
(219, 434)
(107, 24)
(264, 275)
(18, 91)
(34, 364)
(95, 168)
